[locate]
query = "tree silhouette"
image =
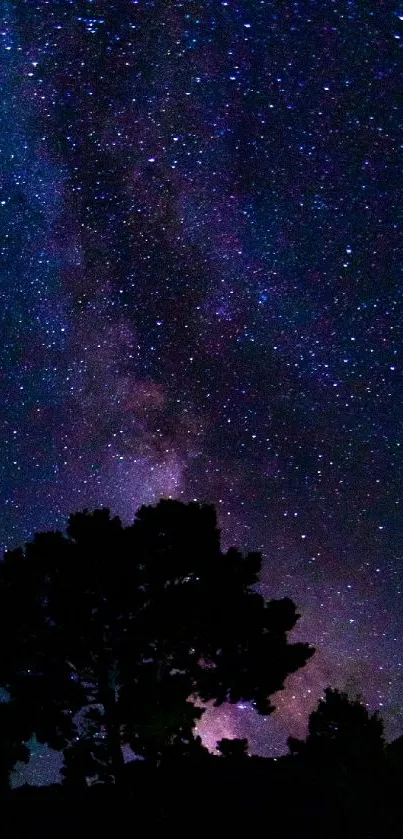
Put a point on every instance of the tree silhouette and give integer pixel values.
(341, 730)
(131, 627)
(234, 749)
(394, 751)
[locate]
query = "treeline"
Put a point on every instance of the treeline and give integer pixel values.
(113, 635)
(298, 796)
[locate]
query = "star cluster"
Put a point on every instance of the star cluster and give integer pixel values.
(201, 297)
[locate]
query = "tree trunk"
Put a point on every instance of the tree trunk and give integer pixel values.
(115, 750)
(108, 698)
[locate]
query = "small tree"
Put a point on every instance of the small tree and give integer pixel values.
(341, 730)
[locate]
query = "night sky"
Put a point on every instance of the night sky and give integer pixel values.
(201, 298)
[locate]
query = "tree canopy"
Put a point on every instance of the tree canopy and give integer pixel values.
(341, 730)
(116, 634)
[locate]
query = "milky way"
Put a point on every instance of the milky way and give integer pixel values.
(200, 297)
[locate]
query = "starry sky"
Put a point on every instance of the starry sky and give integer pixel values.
(201, 297)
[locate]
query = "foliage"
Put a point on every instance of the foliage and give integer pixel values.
(13, 736)
(341, 730)
(116, 633)
(235, 749)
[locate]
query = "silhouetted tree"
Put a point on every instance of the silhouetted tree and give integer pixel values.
(341, 730)
(394, 751)
(235, 749)
(130, 626)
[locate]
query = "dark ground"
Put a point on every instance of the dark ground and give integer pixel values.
(258, 797)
